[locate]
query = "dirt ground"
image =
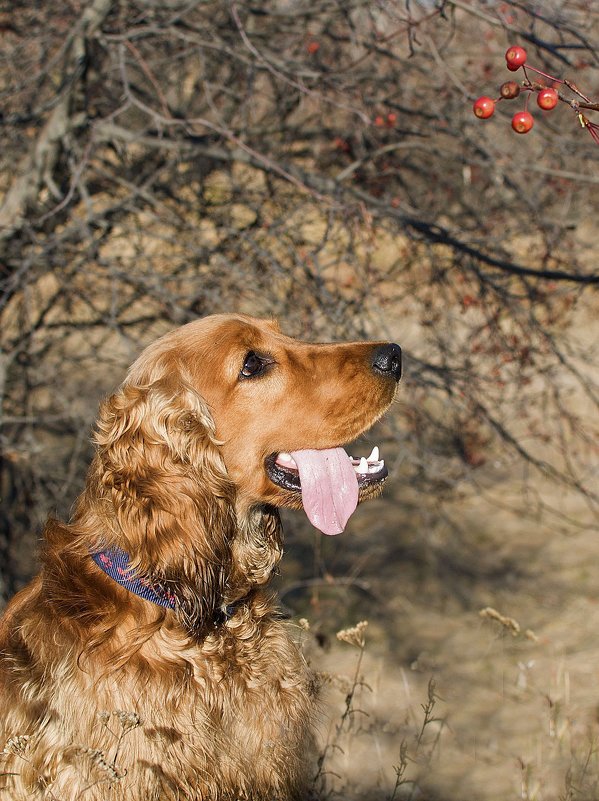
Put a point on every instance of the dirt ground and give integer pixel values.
(488, 607)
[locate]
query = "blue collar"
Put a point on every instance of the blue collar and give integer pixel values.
(115, 563)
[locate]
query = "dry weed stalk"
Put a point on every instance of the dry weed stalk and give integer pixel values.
(417, 749)
(16, 745)
(19, 746)
(417, 754)
(97, 758)
(508, 623)
(582, 777)
(353, 636)
(400, 770)
(106, 767)
(128, 721)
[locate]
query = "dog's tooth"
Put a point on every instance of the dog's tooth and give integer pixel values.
(285, 458)
(374, 456)
(363, 466)
(376, 468)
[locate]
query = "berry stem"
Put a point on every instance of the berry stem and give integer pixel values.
(573, 88)
(586, 104)
(540, 72)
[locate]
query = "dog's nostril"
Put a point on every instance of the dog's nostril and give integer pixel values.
(387, 360)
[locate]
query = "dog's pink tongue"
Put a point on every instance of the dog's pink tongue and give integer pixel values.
(329, 487)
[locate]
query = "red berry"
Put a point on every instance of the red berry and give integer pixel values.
(379, 120)
(484, 107)
(391, 118)
(515, 58)
(547, 99)
(522, 122)
(341, 144)
(509, 90)
(313, 47)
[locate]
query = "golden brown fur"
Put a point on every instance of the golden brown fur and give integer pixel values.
(104, 695)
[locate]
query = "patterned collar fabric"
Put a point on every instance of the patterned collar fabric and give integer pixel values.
(115, 563)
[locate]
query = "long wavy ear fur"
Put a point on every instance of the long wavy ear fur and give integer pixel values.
(171, 505)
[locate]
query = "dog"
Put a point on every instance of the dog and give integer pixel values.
(147, 661)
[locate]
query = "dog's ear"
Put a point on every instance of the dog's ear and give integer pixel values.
(163, 485)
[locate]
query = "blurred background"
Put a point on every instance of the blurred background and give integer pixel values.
(318, 161)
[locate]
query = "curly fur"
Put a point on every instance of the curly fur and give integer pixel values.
(107, 696)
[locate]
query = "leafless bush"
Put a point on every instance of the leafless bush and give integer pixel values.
(314, 161)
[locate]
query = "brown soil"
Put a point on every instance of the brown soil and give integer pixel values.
(497, 602)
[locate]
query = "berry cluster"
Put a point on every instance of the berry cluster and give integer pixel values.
(389, 120)
(547, 96)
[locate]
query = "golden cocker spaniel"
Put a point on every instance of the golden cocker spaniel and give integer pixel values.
(146, 662)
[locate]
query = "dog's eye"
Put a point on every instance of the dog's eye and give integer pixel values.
(253, 365)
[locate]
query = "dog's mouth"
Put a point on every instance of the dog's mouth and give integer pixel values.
(283, 470)
(330, 481)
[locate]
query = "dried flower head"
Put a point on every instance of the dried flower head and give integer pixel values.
(507, 622)
(128, 720)
(16, 745)
(342, 683)
(98, 759)
(355, 635)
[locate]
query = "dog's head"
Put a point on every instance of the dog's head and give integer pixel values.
(223, 419)
(272, 399)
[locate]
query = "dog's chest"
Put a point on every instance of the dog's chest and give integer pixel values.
(245, 706)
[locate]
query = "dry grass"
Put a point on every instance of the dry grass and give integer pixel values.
(477, 674)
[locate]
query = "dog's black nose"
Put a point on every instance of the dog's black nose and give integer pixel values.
(387, 360)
